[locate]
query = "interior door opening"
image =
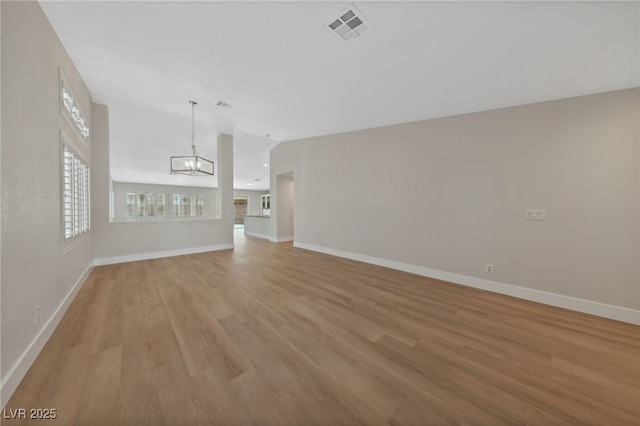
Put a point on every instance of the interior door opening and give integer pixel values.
(241, 208)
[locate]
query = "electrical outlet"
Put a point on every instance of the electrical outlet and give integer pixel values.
(488, 268)
(37, 314)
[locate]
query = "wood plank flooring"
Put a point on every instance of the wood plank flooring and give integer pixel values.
(271, 334)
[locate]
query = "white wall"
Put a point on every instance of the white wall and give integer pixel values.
(255, 201)
(2, 401)
(257, 226)
(446, 196)
(285, 206)
(34, 269)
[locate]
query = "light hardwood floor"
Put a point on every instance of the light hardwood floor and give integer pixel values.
(271, 334)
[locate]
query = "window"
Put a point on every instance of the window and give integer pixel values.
(200, 205)
(70, 110)
(176, 205)
(75, 193)
(160, 205)
(151, 205)
(130, 205)
(184, 204)
(141, 205)
(192, 207)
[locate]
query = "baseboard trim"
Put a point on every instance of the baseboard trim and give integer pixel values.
(159, 254)
(575, 304)
(280, 239)
(269, 237)
(15, 375)
(258, 235)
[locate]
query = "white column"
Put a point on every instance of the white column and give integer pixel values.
(225, 182)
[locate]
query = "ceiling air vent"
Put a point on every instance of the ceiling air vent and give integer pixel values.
(349, 24)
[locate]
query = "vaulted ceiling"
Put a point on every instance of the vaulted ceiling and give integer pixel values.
(284, 74)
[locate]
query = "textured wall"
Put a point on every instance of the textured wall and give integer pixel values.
(35, 271)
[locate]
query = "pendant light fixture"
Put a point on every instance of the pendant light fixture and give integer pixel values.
(192, 165)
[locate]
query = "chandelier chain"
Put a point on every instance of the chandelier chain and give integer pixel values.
(193, 127)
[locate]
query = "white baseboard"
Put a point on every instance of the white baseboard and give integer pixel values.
(280, 239)
(159, 254)
(269, 237)
(15, 375)
(581, 305)
(258, 235)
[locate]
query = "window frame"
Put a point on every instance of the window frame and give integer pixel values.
(151, 205)
(175, 206)
(185, 205)
(141, 206)
(161, 205)
(71, 111)
(199, 205)
(78, 193)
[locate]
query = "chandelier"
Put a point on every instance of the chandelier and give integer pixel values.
(192, 165)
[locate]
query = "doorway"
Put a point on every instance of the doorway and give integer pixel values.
(241, 208)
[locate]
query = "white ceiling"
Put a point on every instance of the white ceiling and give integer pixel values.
(284, 74)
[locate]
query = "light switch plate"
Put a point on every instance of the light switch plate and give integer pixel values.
(535, 214)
